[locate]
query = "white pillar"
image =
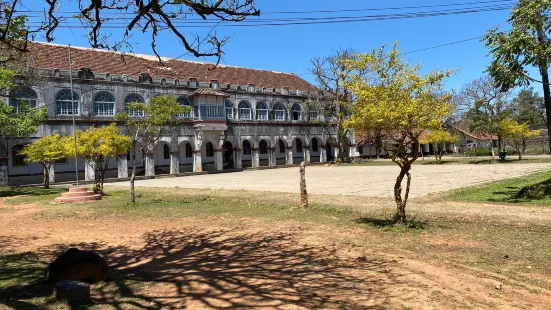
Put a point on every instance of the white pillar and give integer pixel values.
(255, 157)
(150, 164)
(52, 174)
(238, 163)
(323, 154)
(174, 163)
(122, 166)
(335, 153)
(272, 157)
(352, 151)
(289, 155)
(89, 171)
(306, 154)
(219, 161)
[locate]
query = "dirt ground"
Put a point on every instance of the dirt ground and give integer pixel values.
(231, 263)
(375, 181)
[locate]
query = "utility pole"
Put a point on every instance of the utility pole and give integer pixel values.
(73, 112)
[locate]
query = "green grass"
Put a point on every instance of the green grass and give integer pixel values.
(507, 191)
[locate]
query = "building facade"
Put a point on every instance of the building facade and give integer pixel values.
(240, 117)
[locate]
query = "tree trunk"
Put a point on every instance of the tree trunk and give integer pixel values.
(519, 153)
(400, 216)
(132, 179)
(543, 66)
(303, 192)
(46, 177)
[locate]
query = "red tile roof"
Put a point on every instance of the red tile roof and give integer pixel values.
(210, 92)
(53, 56)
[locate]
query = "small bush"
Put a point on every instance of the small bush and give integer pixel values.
(478, 152)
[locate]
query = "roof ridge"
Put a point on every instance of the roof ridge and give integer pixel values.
(155, 58)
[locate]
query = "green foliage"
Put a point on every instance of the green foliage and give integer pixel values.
(394, 99)
(46, 151)
(516, 134)
(518, 48)
(529, 107)
(20, 124)
(477, 152)
(97, 146)
(160, 116)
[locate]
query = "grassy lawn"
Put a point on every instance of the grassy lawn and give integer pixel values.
(531, 189)
(483, 243)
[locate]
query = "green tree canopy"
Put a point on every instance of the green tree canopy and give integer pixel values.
(394, 98)
(160, 116)
(46, 151)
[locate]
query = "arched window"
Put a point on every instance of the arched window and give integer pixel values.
(210, 149)
(18, 159)
(228, 105)
(244, 111)
(263, 146)
(296, 112)
(315, 146)
(299, 146)
(104, 104)
(22, 96)
(184, 102)
(279, 112)
(189, 151)
(281, 146)
(246, 148)
(133, 98)
(64, 105)
(261, 111)
(166, 151)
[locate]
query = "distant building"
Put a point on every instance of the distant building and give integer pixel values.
(241, 117)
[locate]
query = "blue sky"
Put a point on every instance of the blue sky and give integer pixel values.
(290, 48)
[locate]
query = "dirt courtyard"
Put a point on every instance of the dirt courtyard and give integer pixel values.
(371, 181)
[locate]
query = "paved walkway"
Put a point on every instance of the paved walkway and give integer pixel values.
(372, 181)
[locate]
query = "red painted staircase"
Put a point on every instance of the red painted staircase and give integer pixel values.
(77, 194)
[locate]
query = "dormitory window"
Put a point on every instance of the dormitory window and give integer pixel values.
(166, 151)
(279, 112)
(229, 109)
(261, 111)
(263, 147)
(23, 96)
(299, 146)
(281, 147)
(244, 110)
(315, 146)
(64, 105)
(210, 150)
(18, 158)
(189, 151)
(104, 104)
(246, 148)
(133, 98)
(296, 112)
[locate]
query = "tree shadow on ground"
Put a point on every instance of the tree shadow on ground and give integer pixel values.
(29, 191)
(388, 223)
(531, 193)
(178, 269)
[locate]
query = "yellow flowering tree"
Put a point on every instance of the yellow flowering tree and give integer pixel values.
(516, 134)
(46, 151)
(97, 146)
(438, 138)
(393, 97)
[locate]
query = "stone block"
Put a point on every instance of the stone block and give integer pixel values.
(72, 291)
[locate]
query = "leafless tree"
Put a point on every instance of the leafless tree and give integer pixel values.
(146, 16)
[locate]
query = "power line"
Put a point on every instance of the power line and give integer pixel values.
(327, 20)
(105, 11)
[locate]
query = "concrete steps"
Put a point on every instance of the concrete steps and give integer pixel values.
(77, 194)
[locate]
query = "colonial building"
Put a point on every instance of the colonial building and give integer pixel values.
(241, 117)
